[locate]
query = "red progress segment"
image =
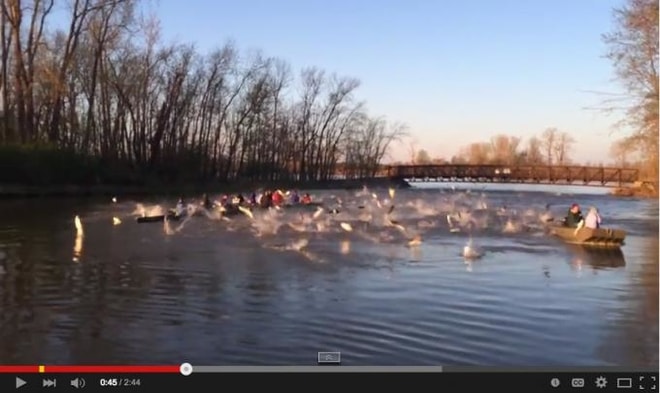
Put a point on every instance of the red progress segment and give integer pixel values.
(91, 369)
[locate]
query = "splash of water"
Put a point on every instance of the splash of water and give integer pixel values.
(78, 243)
(166, 227)
(470, 251)
(116, 221)
(511, 227)
(78, 224)
(147, 211)
(77, 248)
(345, 247)
(298, 245)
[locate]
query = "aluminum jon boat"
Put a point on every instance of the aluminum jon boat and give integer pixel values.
(600, 237)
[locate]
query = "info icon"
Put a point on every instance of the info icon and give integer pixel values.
(554, 382)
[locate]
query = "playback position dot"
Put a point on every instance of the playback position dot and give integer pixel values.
(186, 369)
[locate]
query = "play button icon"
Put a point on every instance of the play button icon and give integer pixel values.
(19, 382)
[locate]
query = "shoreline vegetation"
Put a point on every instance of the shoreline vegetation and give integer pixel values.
(188, 190)
(109, 102)
(639, 189)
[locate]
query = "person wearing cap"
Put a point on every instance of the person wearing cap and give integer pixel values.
(593, 219)
(573, 217)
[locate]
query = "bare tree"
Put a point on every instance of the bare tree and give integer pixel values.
(549, 140)
(107, 91)
(533, 154)
(504, 149)
(621, 152)
(633, 49)
(412, 150)
(423, 157)
(562, 147)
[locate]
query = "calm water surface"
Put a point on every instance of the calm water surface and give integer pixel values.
(280, 288)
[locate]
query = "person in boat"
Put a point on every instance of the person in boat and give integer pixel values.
(295, 197)
(253, 199)
(306, 199)
(180, 207)
(266, 200)
(224, 201)
(573, 217)
(592, 220)
(277, 197)
(238, 200)
(206, 202)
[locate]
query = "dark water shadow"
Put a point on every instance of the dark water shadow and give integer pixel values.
(598, 258)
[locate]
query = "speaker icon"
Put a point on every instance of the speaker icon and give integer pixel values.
(78, 383)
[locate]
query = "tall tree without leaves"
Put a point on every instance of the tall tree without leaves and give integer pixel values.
(633, 49)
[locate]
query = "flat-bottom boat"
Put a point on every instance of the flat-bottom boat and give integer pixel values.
(599, 237)
(158, 218)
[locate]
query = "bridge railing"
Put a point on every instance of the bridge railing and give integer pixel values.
(518, 173)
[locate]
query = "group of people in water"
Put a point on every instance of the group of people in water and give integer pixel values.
(265, 199)
(574, 218)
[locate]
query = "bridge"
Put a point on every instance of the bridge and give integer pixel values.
(531, 174)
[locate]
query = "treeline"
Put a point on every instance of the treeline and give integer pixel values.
(633, 48)
(552, 147)
(105, 100)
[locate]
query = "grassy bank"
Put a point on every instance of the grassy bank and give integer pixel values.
(42, 170)
(639, 189)
(24, 191)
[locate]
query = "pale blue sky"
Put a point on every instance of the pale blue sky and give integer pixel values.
(455, 71)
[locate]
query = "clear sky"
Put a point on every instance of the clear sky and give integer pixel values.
(455, 72)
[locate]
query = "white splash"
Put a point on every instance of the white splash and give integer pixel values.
(166, 227)
(415, 241)
(116, 221)
(144, 211)
(246, 211)
(114, 199)
(346, 226)
(78, 243)
(392, 191)
(78, 224)
(298, 245)
(511, 227)
(318, 213)
(470, 251)
(345, 247)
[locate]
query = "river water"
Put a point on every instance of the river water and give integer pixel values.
(277, 289)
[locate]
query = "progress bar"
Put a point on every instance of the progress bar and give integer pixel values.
(314, 369)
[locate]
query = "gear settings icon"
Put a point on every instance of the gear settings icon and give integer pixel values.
(601, 382)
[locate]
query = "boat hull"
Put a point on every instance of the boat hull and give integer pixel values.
(233, 210)
(159, 218)
(600, 237)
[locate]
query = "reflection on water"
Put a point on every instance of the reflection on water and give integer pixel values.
(395, 289)
(596, 258)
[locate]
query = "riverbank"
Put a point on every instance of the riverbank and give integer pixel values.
(23, 191)
(639, 189)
